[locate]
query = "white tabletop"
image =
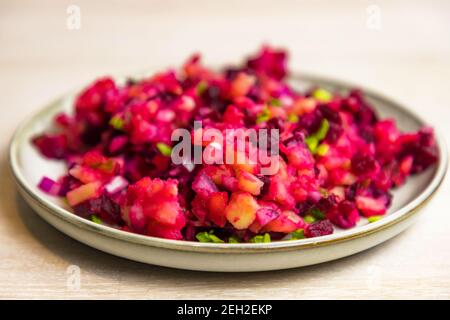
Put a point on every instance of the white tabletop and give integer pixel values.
(404, 54)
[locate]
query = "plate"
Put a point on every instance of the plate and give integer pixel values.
(28, 167)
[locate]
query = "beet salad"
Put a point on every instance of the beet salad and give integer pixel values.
(336, 159)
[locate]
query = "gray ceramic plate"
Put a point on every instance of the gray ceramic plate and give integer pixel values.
(28, 166)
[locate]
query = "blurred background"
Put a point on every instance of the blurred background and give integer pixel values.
(399, 47)
(47, 47)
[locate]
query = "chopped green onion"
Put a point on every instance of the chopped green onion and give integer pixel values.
(96, 219)
(309, 219)
(322, 149)
(233, 239)
(201, 87)
(165, 149)
(297, 234)
(116, 123)
(314, 139)
(317, 214)
(263, 116)
(261, 238)
(322, 95)
(373, 218)
(293, 118)
(208, 237)
(311, 142)
(215, 238)
(275, 102)
(203, 236)
(323, 130)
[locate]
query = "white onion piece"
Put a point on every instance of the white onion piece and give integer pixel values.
(117, 184)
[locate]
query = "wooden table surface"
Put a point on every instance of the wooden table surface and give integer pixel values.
(406, 56)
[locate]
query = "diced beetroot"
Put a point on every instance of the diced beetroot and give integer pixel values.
(92, 97)
(421, 146)
(159, 202)
(270, 62)
(286, 222)
(341, 177)
(400, 172)
(166, 213)
(117, 144)
(318, 229)
(136, 218)
(156, 229)
(233, 116)
(363, 164)
(199, 208)
(344, 215)
(369, 206)
(217, 204)
(203, 185)
(63, 120)
(278, 192)
(266, 214)
(52, 146)
(300, 157)
(304, 187)
(386, 135)
(50, 186)
(104, 207)
(142, 131)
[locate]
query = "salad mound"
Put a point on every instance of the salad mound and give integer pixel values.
(337, 159)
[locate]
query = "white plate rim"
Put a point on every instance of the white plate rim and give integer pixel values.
(190, 246)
